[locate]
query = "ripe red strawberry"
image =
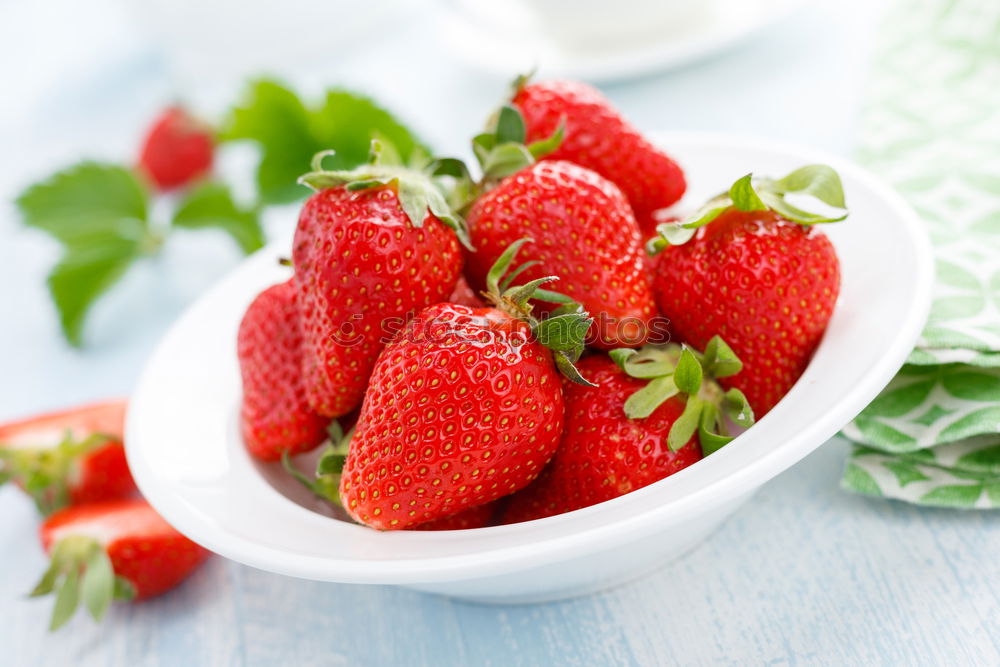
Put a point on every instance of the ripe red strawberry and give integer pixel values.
(177, 150)
(68, 458)
(599, 138)
(583, 230)
(114, 550)
(275, 416)
(464, 406)
(372, 247)
(644, 421)
(465, 295)
(757, 274)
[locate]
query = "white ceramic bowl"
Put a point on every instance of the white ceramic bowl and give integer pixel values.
(188, 460)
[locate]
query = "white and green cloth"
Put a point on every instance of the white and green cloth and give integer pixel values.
(932, 130)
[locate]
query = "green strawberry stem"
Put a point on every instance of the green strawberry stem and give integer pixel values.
(325, 483)
(502, 151)
(417, 188)
(749, 194)
(673, 370)
(80, 568)
(564, 331)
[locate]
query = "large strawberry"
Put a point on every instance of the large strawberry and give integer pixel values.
(68, 458)
(177, 150)
(653, 413)
(114, 550)
(372, 247)
(752, 268)
(464, 406)
(582, 227)
(599, 138)
(275, 416)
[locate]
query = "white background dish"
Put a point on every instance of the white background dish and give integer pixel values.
(501, 38)
(188, 461)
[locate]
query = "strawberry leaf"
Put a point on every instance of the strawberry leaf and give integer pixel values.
(720, 361)
(98, 212)
(644, 402)
(686, 425)
(744, 197)
(86, 203)
(83, 274)
(688, 374)
(67, 600)
(211, 205)
(510, 126)
(289, 133)
(818, 180)
(98, 585)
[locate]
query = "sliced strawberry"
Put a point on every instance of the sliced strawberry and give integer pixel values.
(68, 458)
(115, 550)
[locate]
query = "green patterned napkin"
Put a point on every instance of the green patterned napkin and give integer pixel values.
(932, 129)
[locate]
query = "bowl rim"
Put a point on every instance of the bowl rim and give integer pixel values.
(593, 528)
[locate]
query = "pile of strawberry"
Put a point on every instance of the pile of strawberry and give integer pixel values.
(537, 340)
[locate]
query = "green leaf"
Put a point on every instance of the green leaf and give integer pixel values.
(737, 408)
(709, 437)
(565, 365)
(685, 426)
(124, 589)
(507, 159)
(331, 462)
(644, 401)
(720, 360)
(818, 180)
(98, 586)
(543, 147)
(688, 374)
(84, 274)
(621, 356)
(510, 126)
(744, 196)
(47, 583)
(290, 133)
(503, 264)
(211, 205)
(564, 333)
(679, 233)
(67, 600)
(87, 203)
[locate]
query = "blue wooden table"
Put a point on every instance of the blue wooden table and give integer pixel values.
(803, 574)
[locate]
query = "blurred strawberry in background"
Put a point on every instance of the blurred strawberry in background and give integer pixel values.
(177, 149)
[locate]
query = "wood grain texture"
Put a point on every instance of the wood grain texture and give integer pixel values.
(804, 574)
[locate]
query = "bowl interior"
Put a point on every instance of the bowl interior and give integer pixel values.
(185, 450)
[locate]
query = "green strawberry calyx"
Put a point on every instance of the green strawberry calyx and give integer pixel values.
(563, 331)
(818, 181)
(44, 472)
(673, 370)
(325, 482)
(502, 151)
(80, 568)
(417, 185)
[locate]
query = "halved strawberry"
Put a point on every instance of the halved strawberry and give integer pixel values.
(69, 457)
(114, 550)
